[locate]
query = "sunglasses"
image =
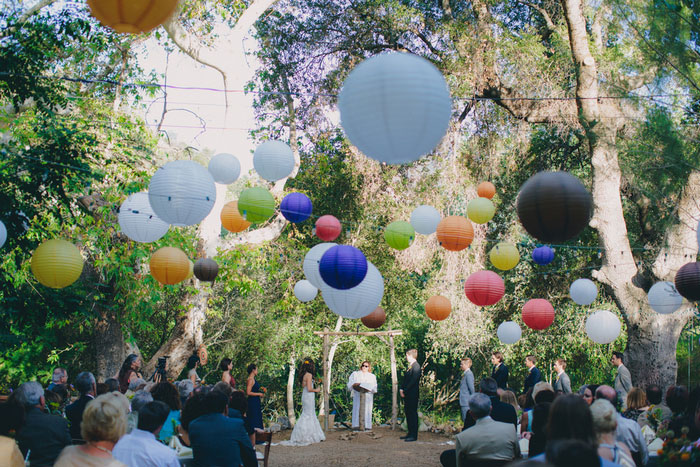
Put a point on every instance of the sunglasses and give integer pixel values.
(365, 366)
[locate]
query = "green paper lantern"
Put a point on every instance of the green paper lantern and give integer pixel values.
(399, 235)
(256, 204)
(480, 210)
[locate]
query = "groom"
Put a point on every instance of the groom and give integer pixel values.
(409, 392)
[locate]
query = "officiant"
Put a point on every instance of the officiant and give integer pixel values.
(362, 383)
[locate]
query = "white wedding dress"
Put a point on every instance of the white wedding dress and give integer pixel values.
(307, 429)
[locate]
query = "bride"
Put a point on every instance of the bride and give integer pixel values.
(307, 429)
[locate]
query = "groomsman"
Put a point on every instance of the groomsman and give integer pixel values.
(563, 382)
(500, 370)
(623, 379)
(409, 392)
(533, 373)
(466, 386)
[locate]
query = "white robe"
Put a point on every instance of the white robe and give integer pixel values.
(371, 381)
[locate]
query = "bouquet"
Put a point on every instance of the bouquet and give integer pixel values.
(679, 450)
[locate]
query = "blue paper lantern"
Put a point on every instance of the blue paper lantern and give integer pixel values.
(296, 207)
(343, 267)
(543, 255)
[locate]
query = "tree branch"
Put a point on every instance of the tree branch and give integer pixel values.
(25, 16)
(547, 19)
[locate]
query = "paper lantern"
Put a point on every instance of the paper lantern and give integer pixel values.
(296, 207)
(455, 233)
(305, 291)
(231, 218)
(538, 313)
(129, 16)
(182, 193)
(664, 298)
(509, 332)
(3, 234)
(190, 273)
(343, 267)
(256, 204)
(327, 228)
(425, 219)
(57, 263)
(484, 288)
(311, 262)
(273, 160)
(206, 269)
(375, 319)
(480, 210)
(395, 107)
(359, 301)
(486, 190)
(603, 327)
(504, 256)
(138, 221)
(399, 235)
(224, 168)
(543, 255)
(583, 291)
(554, 206)
(438, 308)
(688, 281)
(169, 265)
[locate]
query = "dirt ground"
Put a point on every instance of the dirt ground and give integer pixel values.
(361, 450)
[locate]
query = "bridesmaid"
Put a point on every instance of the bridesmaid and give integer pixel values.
(254, 393)
(226, 365)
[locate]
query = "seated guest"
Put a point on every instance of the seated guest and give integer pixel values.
(508, 397)
(224, 388)
(101, 388)
(572, 453)
(11, 421)
(217, 439)
(589, 393)
(185, 388)
(636, 403)
(238, 408)
(135, 385)
(538, 430)
(657, 411)
(53, 402)
(86, 386)
(193, 409)
(500, 411)
(140, 399)
(605, 424)
(59, 376)
(687, 419)
(43, 434)
(628, 431)
(140, 447)
(112, 384)
(103, 423)
(166, 392)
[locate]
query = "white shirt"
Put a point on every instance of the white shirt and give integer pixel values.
(141, 449)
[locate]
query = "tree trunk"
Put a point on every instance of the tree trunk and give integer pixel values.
(290, 390)
(110, 350)
(331, 356)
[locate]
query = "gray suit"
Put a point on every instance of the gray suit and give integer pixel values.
(623, 384)
(466, 389)
(563, 384)
(488, 439)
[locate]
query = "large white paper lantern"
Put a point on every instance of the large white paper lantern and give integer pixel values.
(395, 107)
(425, 219)
(182, 193)
(603, 327)
(664, 298)
(225, 168)
(312, 261)
(138, 221)
(358, 301)
(3, 234)
(509, 332)
(273, 160)
(583, 291)
(305, 291)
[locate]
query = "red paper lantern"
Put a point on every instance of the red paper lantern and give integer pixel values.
(374, 319)
(438, 307)
(538, 314)
(484, 288)
(327, 228)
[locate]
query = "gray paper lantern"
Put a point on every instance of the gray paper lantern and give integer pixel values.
(206, 269)
(425, 219)
(305, 291)
(273, 160)
(224, 168)
(312, 261)
(358, 301)
(603, 327)
(3, 234)
(138, 221)
(664, 298)
(583, 291)
(509, 332)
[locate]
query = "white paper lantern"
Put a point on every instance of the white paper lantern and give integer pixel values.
(3, 234)
(583, 291)
(425, 219)
(225, 168)
(358, 301)
(603, 327)
(182, 193)
(664, 298)
(395, 107)
(138, 221)
(311, 262)
(509, 332)
(273, 160)
(305, 291)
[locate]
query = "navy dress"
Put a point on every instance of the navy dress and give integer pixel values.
(255, 409)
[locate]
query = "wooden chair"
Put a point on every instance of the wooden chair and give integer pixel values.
(267, 438)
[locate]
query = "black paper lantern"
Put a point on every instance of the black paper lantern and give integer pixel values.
(688, 281)
(206, 269)
(554, 206)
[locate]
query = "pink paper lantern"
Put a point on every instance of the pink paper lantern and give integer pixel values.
(538, 314)
(484, 288)
(327, 228)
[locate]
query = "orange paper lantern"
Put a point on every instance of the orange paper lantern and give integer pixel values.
(486, 190)
(438, 307)
(169, 265)
(129, 16)
(231, 219)
(455, 233)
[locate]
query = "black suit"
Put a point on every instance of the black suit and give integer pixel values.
(500, 374)
(46, 435)
(533, 377)
(74, 414)
(500, 412)
(410, 398)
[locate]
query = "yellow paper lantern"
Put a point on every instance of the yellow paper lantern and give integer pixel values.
(231, 219)
(504, 256)
(132, 16)
(57, 263)
(191, 273)
(480, 210)
(169, 265)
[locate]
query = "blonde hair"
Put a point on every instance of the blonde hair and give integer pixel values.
(604, 416)
(541, 386)
(636, 398)
(509, 398)
(104, 418)
(413, 353)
